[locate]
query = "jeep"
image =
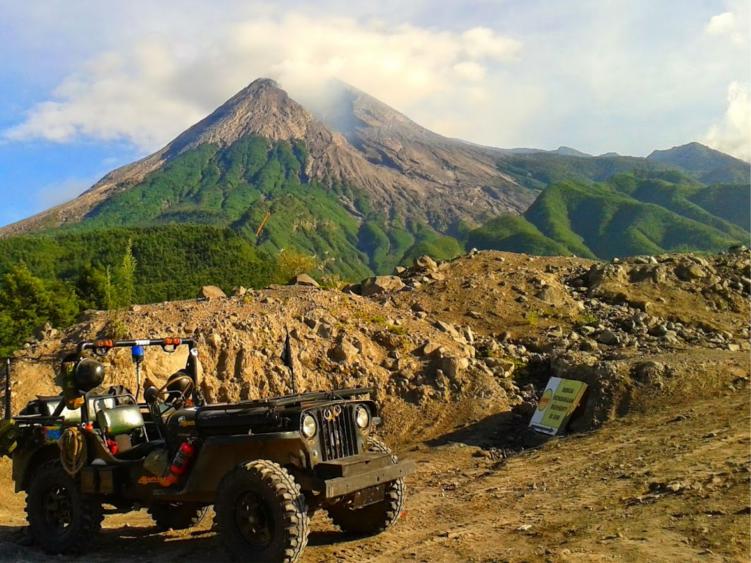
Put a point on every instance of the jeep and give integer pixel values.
(265, 465)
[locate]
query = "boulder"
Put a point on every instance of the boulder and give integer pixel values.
(453, 367)
(425, 263)
(304, 279)
(690, 272)
(47, 331)
(449, 329)
(659, 330)
(211, 292)
(430, 348)
(344, 351)
(608, 337)
(325, 330)
(649, 373)
(381, 284)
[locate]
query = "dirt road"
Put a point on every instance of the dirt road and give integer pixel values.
(666, 486)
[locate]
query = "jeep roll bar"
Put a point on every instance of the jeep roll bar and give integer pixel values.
(103, 346)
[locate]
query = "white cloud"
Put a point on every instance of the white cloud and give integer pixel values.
(733, 134)
(470, 70)
(150, 92)
(729, 25)
(624, 75)
(483, 42)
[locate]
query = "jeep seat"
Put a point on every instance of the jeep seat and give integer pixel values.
(70, 417)
(49, 406)
(121, 419)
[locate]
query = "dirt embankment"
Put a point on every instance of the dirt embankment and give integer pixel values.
(338, 340)
(445, 344)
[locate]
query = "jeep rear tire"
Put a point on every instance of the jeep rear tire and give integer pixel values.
(261, 513)
(177, 515)
(61, 518)
(374, 518)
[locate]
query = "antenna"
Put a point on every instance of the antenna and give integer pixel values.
(289, 362)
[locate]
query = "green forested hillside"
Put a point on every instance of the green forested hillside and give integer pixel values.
(513, 233)
(693, 161)
(234, 188)
(539, 170)
(173, 261)
(629, 214)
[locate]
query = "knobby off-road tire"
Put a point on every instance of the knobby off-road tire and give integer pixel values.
(375, 518)
(177, 515)
(61, 518)
(261, 514)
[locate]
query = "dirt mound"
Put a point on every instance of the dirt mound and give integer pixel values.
(638, 331)
(338, 340)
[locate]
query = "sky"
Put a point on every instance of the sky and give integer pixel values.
(89, 85)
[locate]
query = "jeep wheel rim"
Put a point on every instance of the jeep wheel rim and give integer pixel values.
(57, 506)
(254, 520)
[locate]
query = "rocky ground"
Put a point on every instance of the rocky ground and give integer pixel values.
(459, 353)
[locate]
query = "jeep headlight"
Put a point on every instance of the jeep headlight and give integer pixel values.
(362, 417)
(308, 426)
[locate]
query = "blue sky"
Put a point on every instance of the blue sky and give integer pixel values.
(91, 85)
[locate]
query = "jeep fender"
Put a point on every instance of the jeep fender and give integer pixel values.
(26, 461)
(221, 454)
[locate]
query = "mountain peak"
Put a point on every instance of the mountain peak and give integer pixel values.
(693, 148)
(262, 108)
(710, 165)
(261, 83)
(563, 150)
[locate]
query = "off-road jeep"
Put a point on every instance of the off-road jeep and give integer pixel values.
(265, 465)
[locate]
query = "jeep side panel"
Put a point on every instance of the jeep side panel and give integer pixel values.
(220, 454)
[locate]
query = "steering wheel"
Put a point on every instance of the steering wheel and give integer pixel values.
(174, 398)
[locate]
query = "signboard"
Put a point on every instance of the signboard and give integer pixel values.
(558, 402)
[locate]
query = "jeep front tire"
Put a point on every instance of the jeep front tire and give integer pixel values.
(261, 513)
(375, 518)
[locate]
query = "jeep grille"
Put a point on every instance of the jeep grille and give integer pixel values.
(338, 433)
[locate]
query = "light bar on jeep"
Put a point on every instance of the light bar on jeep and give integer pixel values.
(106, 344)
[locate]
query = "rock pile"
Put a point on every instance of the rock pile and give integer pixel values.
(608, 315)
(338, 340)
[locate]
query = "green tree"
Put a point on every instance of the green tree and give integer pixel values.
(27, 302)
(94, 287)
(125, 278)
(290, 263)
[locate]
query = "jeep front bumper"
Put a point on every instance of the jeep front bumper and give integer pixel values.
(342, 477)
(341, 486)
